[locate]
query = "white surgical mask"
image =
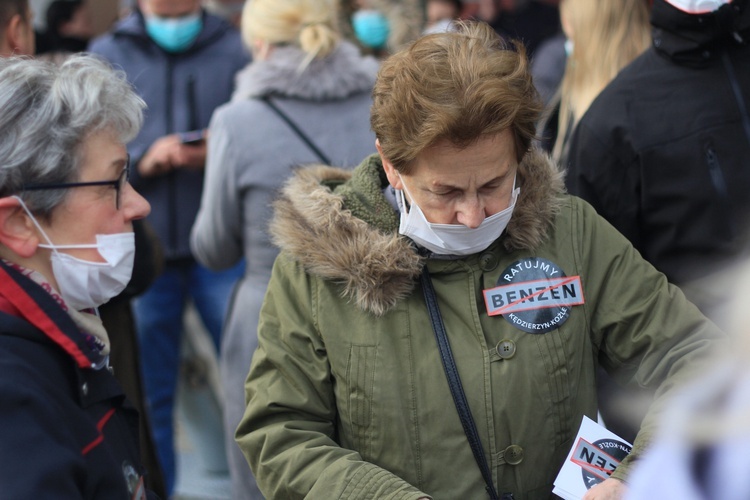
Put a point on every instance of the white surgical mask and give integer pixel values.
(85, 284)
(452, 239)
(697, 6)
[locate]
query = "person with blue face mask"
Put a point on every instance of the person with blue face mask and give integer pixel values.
(183, 61)
(174, 34)
(173, 26)
(371, 28)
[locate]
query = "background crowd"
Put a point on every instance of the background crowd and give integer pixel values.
(646, 111)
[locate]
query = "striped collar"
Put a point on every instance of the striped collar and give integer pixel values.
(22, 297)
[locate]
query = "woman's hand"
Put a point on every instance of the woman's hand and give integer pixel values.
(609, 489)
(168, 153)
(157, 160)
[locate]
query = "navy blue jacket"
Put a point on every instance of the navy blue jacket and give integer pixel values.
(181, 90)
(66, 429)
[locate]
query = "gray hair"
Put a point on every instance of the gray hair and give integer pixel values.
(47, 111)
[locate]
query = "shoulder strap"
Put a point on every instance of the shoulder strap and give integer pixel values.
(296, 130)
(454, 381)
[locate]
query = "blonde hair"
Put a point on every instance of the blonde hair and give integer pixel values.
(311, 25)
(457, 86)
(607, 35)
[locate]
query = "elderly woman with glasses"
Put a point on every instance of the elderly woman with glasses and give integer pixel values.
(66, 247)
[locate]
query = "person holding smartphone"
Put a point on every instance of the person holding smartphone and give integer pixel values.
(182, 60)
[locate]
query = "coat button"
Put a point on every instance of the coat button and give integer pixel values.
(506, 349)
(85, 388)
(488, 261)
(513, 454)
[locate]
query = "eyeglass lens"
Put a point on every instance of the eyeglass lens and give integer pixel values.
(120, 184)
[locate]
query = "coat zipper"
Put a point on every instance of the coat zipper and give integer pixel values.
(192, 103)
(720, 185)
(737, 90)
(171, 176)
(714, 169)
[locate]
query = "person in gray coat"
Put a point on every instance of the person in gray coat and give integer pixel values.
(305, 99)
(182, 62)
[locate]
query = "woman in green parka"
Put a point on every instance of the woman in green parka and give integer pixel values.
(347, 393)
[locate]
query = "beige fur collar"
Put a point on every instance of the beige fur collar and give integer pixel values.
(375, 266)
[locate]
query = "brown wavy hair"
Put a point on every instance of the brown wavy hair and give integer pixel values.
(456, 86)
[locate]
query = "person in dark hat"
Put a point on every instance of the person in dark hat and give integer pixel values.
(69, 27)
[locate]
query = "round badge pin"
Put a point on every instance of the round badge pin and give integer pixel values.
(535, 295)
(606, 455)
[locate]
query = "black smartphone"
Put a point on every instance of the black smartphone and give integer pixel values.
(192, 137)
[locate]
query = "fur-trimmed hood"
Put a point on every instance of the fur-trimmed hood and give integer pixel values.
(341, 227)
(344, 72)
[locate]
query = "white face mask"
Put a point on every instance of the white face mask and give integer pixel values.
(697, 6)
(85, 284)
(452, 239)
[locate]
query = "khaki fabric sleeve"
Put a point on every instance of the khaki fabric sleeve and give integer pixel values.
(645, 331)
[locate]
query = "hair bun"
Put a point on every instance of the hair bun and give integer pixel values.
(317, 38)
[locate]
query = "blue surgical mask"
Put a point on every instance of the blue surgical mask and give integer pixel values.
(371, 28)
(174, 34)
(568, 47)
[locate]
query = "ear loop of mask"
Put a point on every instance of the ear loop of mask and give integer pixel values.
(407, 206)
(49, 244)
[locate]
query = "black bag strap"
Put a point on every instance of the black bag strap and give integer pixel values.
(454, 381)
(296, 130)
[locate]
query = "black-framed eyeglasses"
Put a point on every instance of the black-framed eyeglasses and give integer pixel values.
(117, 184)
